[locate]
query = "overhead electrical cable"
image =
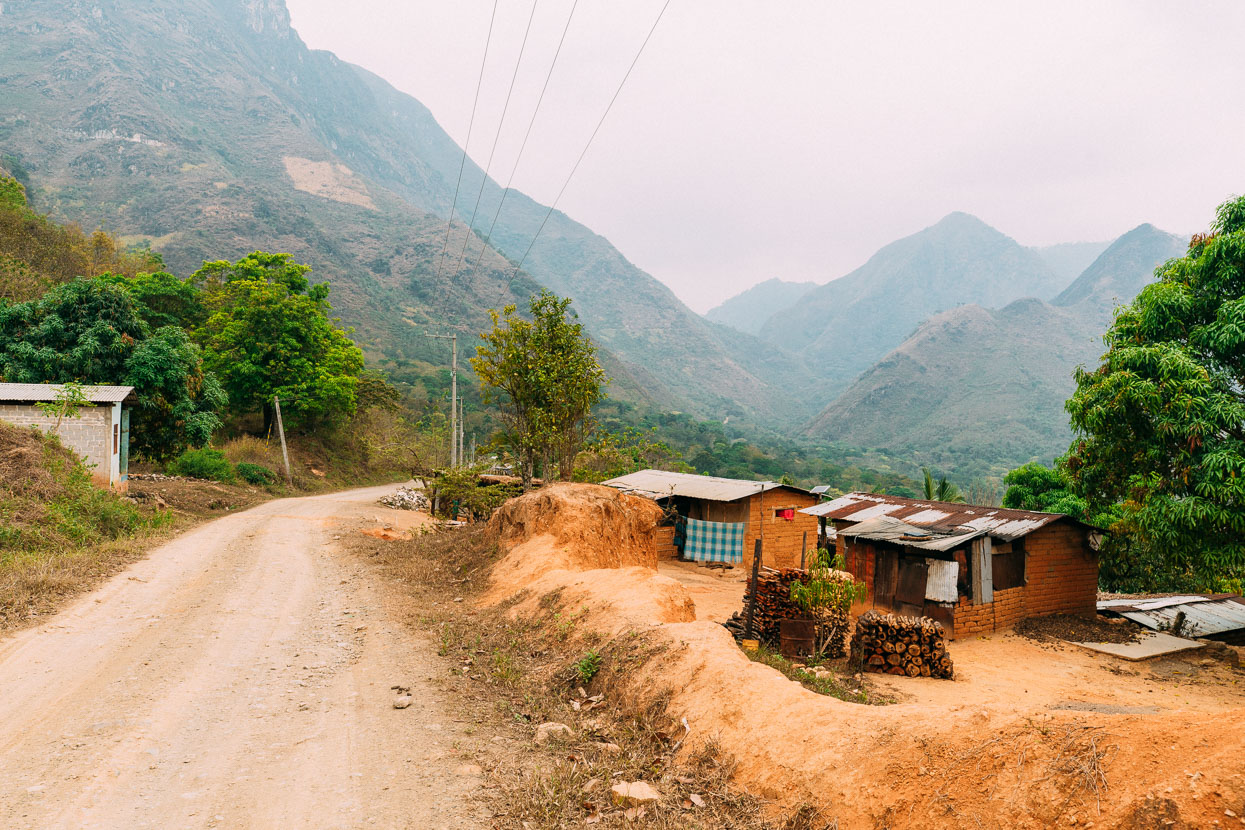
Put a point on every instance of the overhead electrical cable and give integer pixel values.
(449, 224)
(523, 146)
(500, 123)
(553, 205)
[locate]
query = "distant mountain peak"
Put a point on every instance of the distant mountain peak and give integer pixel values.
(265, 17)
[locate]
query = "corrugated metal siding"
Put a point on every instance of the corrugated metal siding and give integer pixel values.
(49, 391)
(1000, 522)
(659, 484)
(1203, 616)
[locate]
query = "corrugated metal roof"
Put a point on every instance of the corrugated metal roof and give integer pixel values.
(1000, 522)
(1203, 615)
(899, 532)
(49, 391)
(659, 484)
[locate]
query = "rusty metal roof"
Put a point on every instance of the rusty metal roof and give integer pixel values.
(899, 532)
(946, 517)
(31, 392)
(1204, 614)
(659, 484)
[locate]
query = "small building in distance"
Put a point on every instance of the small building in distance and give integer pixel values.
(100, 433)
(974, 569)
(752, 510)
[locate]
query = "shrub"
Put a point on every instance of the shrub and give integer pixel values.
(205, 463)
(587, 666)
(255, 473)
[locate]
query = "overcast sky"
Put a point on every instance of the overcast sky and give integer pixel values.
(793, 139)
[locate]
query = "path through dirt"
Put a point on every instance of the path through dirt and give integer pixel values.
(238, 677)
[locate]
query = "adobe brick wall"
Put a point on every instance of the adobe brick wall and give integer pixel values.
(1061, 571)
(1007, 609)
(782, 538)
(664, 541)
(89, 434)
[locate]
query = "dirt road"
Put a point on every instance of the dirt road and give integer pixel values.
(239, 677)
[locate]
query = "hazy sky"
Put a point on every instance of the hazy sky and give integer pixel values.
(792, 139)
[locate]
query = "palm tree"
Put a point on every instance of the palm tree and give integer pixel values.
(942, 491)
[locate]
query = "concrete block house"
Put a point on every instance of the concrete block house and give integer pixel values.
(754, 510)
(974, 569)
(100, 433)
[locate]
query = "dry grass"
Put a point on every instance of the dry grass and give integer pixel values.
(841, 682)
(524, 670)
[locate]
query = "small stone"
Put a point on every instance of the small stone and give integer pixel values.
(548, 731)
(607, 747)
(1229, 814)
(697, 800)
(402, 701)
(634, 793)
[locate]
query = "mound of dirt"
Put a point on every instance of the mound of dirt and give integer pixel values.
(24, 463)
(1073, 629)
(591, 545)
(594, 527)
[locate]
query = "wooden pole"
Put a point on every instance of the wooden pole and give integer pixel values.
(803, 549)
(285, 455)
(752, 593)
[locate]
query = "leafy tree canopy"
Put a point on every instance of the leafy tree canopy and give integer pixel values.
(268, 334)
(162, 299)
(1041, 488)
(941, 490)
(546, 376)
(1160, 424)
(90, 331)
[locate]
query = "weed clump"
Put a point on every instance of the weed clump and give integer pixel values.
(205, 463)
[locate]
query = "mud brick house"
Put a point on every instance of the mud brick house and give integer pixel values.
(974, 569)
(100, 433)
(753, 510)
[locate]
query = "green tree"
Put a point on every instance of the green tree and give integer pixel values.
(545, 374)
(942, 490)
(1160, 424)
(162, 299)
(89, 331)
(70, 400)
(1038, 487)
(268, 333)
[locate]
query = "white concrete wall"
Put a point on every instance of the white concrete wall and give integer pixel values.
(91, 435)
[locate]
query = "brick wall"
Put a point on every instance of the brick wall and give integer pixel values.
(1007, 609)
(1061, 571)
(89, 434)
(664, 541)
(782, 538)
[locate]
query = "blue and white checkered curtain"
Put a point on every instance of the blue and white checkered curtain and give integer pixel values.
(714, 541)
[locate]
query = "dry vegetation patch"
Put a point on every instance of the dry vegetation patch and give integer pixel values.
(549, 666)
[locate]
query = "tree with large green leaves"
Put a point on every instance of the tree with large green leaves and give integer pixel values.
(1044, 489)
(1160, 424)
(90, 331)
(545, 374)
(268, 334)
(940, 490)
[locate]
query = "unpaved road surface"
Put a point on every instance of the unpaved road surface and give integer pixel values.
(238, 677)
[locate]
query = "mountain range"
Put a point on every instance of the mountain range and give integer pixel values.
(206, 129)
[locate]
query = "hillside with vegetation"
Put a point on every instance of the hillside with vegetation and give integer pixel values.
(848, 324)
(748, 310)
(977, 391)
(209, 131)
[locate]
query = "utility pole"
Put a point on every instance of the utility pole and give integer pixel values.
(454, 423)
(462, 430)
(276, 404)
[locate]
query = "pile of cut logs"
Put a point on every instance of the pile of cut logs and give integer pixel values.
(774, 604)
(912, 646)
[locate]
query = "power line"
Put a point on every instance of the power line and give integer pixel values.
(500, 123)
(449, 224)
(515, 273)
(531, 123)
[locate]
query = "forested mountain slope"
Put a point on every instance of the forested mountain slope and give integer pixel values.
(207, 129)
(848, 324)
(748, 310)
(976, 391)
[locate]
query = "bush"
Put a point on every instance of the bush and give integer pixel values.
(208, 464)
(255, 473)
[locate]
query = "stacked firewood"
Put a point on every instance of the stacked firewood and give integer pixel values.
(774, 604)
(911, 646)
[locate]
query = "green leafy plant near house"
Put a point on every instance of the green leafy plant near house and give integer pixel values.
(70, 400)
(205, 463)
(827, 596)
(255, 473)
(587, 667)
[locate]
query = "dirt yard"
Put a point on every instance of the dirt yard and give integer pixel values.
(240, 676)
(1027, 735)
